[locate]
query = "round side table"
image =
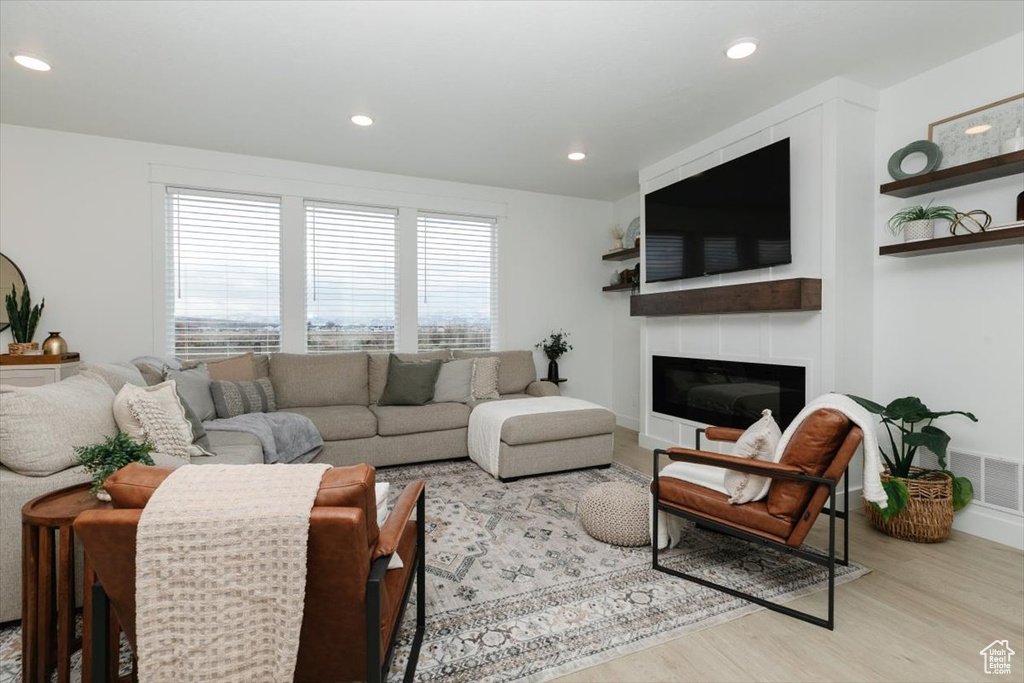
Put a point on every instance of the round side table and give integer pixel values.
(48, 586)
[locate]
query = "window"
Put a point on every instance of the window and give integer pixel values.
(350, 277)
(223, 273)
(457, 293)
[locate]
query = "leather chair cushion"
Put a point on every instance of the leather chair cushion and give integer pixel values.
(812, 449)
(715, 505)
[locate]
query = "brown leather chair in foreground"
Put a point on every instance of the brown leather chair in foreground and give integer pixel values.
(815, 460)
(353, 604)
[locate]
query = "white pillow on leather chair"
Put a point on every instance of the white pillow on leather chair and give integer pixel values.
(759, 442)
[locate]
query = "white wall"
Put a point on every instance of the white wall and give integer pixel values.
(78, 216)
(949, 328)
(625, 332)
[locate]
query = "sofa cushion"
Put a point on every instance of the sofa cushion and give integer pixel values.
(193, 388)
(434, 417)
(455, 382)
(515, 372)
(378, 368)
(233, 448)
(331, 379)
(116, 375)
(685, 495)
(234, 369)
(544, 427)
(410, 383)
(340, 423)
(41, 426)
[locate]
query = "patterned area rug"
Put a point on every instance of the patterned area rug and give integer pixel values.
(517, 591)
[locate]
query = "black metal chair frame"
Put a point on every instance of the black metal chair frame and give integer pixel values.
(828, 561)
(377, 663)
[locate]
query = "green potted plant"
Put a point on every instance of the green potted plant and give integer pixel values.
(921, 501)
(918, 222)
(554, 346)
(24, 319)
(103, 459)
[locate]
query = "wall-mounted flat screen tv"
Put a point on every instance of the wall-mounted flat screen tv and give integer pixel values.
(732, 217)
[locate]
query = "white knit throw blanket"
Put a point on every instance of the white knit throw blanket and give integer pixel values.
(220, 573)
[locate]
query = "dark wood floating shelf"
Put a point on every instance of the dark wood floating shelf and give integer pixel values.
(944, 245)
(622, 254)
(957, 176)
(775, 296)
(618, 288)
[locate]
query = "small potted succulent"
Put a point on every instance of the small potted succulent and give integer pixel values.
(554, 347)
(918, 222)
(103, 459)
(24, 319)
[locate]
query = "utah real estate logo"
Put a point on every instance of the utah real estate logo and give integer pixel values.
(997, 657)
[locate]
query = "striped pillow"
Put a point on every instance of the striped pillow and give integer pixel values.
(238, 398)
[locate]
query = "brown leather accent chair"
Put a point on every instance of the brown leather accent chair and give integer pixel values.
(353, 604)
(815, 461)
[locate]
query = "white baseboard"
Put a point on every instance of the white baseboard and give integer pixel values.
(628, 422)
(991, 524)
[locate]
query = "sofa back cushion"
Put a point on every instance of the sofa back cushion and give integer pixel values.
(378, 368)
(331, 379)
(515, 371)
(41, 426)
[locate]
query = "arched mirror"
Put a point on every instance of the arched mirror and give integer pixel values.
(10, 274)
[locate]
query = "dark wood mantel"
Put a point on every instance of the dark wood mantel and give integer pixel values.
(774, 296)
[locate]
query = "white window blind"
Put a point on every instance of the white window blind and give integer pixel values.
(458, 293)
(223, 273)
(350, 277)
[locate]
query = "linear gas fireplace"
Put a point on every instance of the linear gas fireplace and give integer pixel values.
(726, 393)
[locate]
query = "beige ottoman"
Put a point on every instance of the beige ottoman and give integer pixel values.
(555, 442)
(617, 513)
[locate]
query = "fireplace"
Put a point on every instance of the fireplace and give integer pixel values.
(726, 393)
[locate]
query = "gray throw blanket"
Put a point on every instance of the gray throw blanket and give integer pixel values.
(287, 438)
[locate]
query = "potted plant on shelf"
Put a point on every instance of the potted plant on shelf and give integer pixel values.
(554, 346)
(103, 459)
(24, 319)
(921, 501)
(918, 222)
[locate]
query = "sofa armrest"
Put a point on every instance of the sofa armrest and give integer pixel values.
(394, 527)
(543, 389)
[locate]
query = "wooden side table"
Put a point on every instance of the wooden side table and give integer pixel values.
(48, 587)
(34, 371)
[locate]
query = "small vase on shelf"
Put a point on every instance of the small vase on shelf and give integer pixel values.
(54, 345)
(552, 370)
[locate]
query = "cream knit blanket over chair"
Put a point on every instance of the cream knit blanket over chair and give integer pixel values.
(220, 573)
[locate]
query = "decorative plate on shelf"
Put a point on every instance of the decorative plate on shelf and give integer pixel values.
(632, 232)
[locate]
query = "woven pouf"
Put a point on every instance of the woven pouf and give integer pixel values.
(615, 512)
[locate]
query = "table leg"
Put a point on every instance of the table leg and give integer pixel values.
(88, 579)
(65, 602)
(46, 651)
(29, 603)
(114, 651)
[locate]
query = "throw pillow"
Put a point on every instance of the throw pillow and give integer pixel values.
(454, 382)
(156, 414)
(758, 442)
(410, 383)
(152, 374)
(239, 398)
(234, 369)
(194, 390)
(381, 491)
(41, 426)
(485, 378)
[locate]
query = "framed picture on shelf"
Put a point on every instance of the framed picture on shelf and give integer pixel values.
(980, 133)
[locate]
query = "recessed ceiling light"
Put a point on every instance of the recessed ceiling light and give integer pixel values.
(980, 128)
(362, 120)
(577, 156)
(30, 61)
(741, 49)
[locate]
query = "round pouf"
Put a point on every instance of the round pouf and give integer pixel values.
(617, 513)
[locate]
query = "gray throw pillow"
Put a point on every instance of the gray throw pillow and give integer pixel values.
(454, 382)
(238, 398)
(194, 389)
(409, 383)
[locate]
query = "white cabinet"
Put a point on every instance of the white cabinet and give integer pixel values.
(37, 374)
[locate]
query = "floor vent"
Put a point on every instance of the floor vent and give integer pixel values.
(997, 481)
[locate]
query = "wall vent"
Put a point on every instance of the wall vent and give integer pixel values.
(997, 481)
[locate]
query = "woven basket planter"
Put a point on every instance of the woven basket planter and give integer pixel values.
(16, 349)
(928, 517)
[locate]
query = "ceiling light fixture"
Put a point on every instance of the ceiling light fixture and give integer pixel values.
(362, 120)
(30, 61)
(741, 49)
(577, 156)
(980, 128)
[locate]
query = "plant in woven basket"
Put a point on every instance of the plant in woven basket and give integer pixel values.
(24, 318)
(908, 422)
(103, 459)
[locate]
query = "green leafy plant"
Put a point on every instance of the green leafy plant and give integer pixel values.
(103, 459)
(912, 420)
(555, 345)
(920, 213)
(24, 318)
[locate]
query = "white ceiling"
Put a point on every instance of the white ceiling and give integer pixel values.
(495, 93)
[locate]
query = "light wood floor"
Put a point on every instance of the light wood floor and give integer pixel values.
(923, 614)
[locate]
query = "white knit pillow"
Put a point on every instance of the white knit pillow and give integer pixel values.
(155, 414)
(757, 443)
(485, 377)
